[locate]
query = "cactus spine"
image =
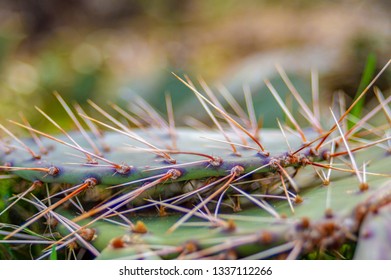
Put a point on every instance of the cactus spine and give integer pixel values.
(233, 191)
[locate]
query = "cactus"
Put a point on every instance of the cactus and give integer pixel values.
(150, 190)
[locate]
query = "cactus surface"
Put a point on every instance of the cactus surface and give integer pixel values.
(145, 189)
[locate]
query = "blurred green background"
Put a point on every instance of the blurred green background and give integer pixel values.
(115, 50)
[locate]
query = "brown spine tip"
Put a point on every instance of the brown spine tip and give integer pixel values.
(304, 223)
(329, 213)
(53, 171)
(304, 161)
(123, 169)
(360, 212)
(266, 237)
(91, 182)
(237, 154)
(92, 161)
(190, 247)
(43, 151)
(230, 255)
(37, 184)
(88, 234)
(117, 243)
(237, 170)
(326, 155)
(313, 152)
(374, 209)
(274, 163)
(363, 186)
(72, 245)
(298, 199)
(329, 228)
(162, 211)
(230, 226)
(236, 205)
(170, 160)
(266, 154)
(175, 174)
(216, 161)
(292, 159)
(139, 228)
(106, 148)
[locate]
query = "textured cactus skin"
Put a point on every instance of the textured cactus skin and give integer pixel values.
(245, 218)
(144, 164)
(328, 227)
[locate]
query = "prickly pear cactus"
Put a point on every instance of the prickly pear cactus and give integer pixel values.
(137, 187)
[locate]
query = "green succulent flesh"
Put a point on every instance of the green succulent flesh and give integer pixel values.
(186, 193)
